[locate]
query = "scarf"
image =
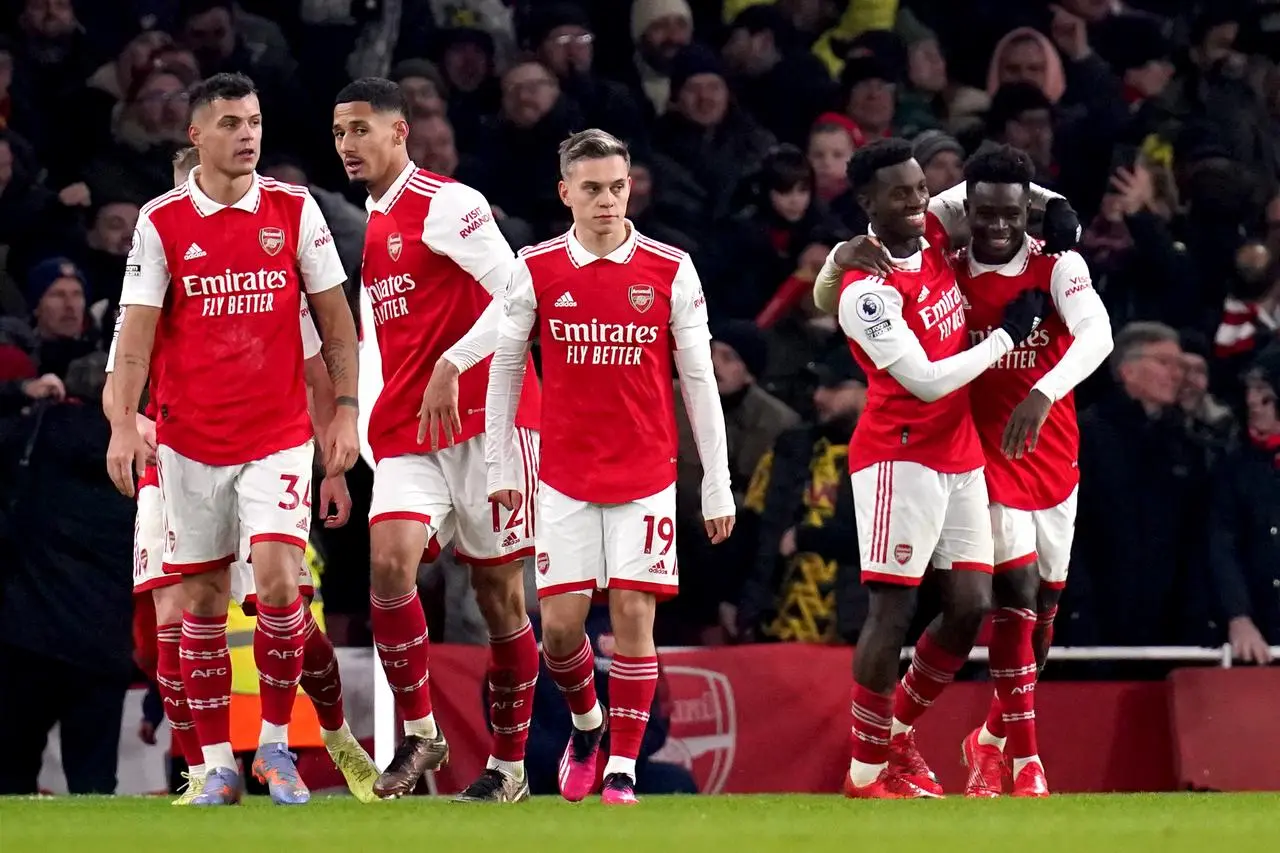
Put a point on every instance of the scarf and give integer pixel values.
(1267, 444)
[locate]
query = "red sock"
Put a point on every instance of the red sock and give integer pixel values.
(1013, 668)
(1042, 637)
(320, 679)
(995, 716)
(400, 633)
(206, 676)
(575, 675)
(632, 683)
(513, 674)
(169, 680)
(932, 669)
(277, 651)
(872, 722)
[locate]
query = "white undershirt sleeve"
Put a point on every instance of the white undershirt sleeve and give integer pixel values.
(1086, 317)
(826, 287)
(146, 271)
(692, 339)
(506, 378)
(871, 316)
(481, 339)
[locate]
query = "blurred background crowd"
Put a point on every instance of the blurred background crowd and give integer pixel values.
(1158, 119)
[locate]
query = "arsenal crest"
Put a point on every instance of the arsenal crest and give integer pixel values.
(271, 240)
(641, 297)
(544, 562)
(394, 244)
(902, 553)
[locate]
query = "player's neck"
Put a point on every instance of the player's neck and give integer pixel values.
(380, 187)
(900, 247)
(602, 245)
(991, 260)
(225, 189)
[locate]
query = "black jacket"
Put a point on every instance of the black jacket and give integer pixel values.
(1244, 538)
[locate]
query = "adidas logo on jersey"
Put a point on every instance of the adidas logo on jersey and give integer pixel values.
(511, 541)
(193, 252)
(566, 301)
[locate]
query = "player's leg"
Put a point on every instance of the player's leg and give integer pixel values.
(1013, 589)
(200, 542)
(274, 510)
(169, 604)
(496, 543)
(1055, 532)
(899, 508)
(640, 564)
(570, 567)
(964, 557)
(410, 507)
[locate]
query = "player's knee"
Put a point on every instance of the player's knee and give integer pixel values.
(169, 602)
(394, 569)
(1016, 588)
(499, 593)
(969, 603)
(561, 637)
(632, 614)
(276, 588)
(207, 594)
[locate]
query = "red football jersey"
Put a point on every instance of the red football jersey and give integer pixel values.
(607, 328)
(429, 243)
(1046, 477)
(881, 317)
(231, 387)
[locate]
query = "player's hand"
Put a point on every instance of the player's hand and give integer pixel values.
(341, 442)
(1022, 433)
(719, 529)
(510, 499)
(147, 430)
(438, 416)
(147, 733)
(126, 456)
(47, 386)
(1247, 643)
(75, 195)
(865, 254)
(1023, 314)
(1070, 33)
(787, 546)
(1061, 226)
(335, 501)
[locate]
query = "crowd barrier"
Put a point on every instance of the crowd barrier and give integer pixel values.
(775, 718)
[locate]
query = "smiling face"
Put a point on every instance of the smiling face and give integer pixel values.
(896, 201)
(997, 220)
(228, 133)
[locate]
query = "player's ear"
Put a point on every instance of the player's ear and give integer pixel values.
(400, 131)
(564, 194)
(193, 134)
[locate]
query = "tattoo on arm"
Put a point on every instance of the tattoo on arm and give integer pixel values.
(347, 401)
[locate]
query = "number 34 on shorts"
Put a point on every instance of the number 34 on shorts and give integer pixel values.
(583, 547)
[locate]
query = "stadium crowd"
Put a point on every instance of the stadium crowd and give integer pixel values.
(1158, 119)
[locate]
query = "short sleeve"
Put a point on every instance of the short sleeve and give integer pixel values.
(948, 207)
(460, 225)
(1072, 290)
(520, 310)
(317, 255)
(870, 315)
(310, 337)
(688, 307)
(146, 272)
(115, 338)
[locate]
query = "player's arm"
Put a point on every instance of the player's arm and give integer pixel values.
(692, 340)
(871, 316)
(322, 278)
(146, 283)
(460, 224)
(320, 394)
(506, 378)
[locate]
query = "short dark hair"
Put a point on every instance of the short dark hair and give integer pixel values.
(591, 144)
(869, 159)
(226, 87)
(999, 164)
(383, 95)
(785, 167)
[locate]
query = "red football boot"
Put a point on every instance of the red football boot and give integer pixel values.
(986, 767)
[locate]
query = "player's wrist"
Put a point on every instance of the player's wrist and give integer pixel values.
(446, 367)
(346, 403)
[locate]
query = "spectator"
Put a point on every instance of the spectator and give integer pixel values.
(660, 29)
(1139, 548)
(1244, 524)
(146, 129)
(804, 585)
(942, 159)
(466, 58)
(928, 99)
(867, 93)
(1208, 421)
(829, 150)
(1022, 116)
(773, 77)
(754, 418)
(423, 87)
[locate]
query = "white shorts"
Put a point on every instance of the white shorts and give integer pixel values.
(148, 542)
(1041, 536)
(208, 509)
(583, 547)
(910, 517)
(448, 492)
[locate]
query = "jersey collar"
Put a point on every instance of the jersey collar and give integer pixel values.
(911, 263)
(1016, 265)
(581, 256)
(393, 192)
(206, 206)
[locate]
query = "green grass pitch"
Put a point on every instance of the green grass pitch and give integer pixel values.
(1160, 823)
